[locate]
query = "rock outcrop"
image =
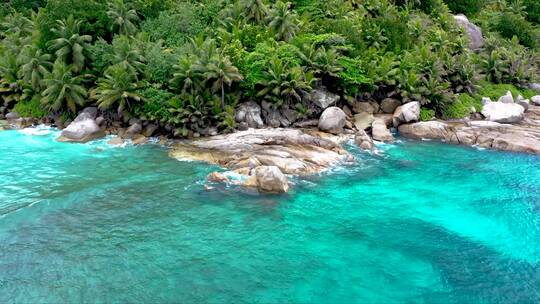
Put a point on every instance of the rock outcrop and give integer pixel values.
(332, 120)
(521, 137)
(476, 39)
(249, 113)
(83, 129)
(291, 150)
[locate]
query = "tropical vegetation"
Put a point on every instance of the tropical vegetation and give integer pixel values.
(186, 64)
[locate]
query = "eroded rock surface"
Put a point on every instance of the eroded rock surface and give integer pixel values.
(520, 137)
(291, 150)
(83, 129)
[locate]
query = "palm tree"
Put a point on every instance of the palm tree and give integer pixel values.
(255, 10)
(127, 54)
(70, 46)
(10, 89)
(283, 84)
(117, 88)
(185, 78)
(326, 62)
(283, 22)
(16, 24)
(35, 65)
(123, 18)
(220, 72)
(63, 89)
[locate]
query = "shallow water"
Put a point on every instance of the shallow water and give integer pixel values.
(420, 222)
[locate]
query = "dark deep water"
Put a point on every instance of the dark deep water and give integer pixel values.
(421, 222)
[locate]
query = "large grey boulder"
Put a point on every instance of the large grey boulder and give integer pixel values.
(270, 179)
(409, 112)
(332, 120)
(83, 129)
(250, 113)
(503, 112)
(536, 100)
(323, 98)
(476, 39)
(12, 116)
(380, 131)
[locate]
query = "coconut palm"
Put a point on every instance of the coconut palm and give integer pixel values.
(34, 66)
(70, 46)
(117, 89)
(283, 84)
(127, 54)
(326, 62)
(63, 89)
(185, 78)
(284, 22)
(10, 90)
(255, 10)
(220, 72)
(18, 24)
(123, 19)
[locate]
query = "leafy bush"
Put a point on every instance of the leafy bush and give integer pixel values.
(511, 24)
(462, 107)
(533, 10)
(426, 114)
(175, 27)
(494, 91)
(467, 7)
(32, 108)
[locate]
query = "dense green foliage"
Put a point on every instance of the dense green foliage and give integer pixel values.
(187, 64)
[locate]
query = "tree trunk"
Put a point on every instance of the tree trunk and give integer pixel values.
(222, 96)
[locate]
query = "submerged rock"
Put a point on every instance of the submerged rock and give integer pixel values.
(116, 141)
(270, 179)
(332, 120)
(363, 141)
(83, 129)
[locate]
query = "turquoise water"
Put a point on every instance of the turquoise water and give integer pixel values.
(419, 222)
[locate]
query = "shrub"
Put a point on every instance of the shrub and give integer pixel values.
(32, 108)
(426, 114)
(533, 10)
(510, 25)
(494, 91)
(175, 27)
(467, 7)
(461, 107)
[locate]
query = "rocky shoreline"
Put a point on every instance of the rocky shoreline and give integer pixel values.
(261, 158)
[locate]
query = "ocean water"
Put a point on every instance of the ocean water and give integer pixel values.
(418, 222)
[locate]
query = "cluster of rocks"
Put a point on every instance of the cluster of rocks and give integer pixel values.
(508, 124)
(262, 157)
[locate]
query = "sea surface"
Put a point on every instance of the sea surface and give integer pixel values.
(416, 222)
